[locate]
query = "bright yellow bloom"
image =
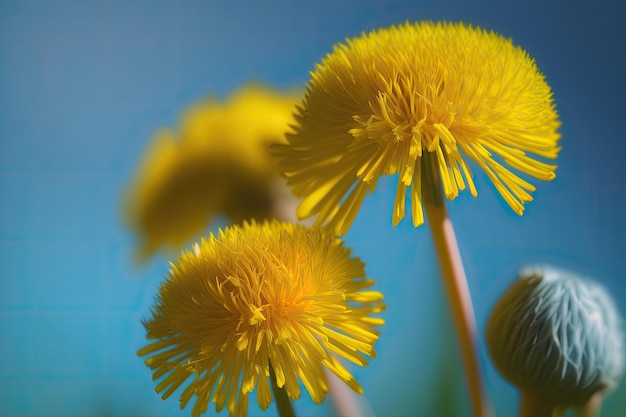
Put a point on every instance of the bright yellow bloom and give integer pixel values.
(217, 163)
(260, 295)
(379, 103)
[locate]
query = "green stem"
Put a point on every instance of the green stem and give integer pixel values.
(285, 409)
(533, 406)
(592, 407)
(455, 282)
(346, 402)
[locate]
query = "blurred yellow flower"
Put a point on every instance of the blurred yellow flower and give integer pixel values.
(217, 163)
(388, 101)
(257, 296)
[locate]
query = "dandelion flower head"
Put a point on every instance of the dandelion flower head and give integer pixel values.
(390, 101)
(256, 296)
(217, 162)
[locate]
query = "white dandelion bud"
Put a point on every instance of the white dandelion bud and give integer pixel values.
(557, 337)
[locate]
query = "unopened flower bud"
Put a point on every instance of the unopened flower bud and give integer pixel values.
(557, 336)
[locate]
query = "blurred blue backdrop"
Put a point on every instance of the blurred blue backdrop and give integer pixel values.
(84, 84)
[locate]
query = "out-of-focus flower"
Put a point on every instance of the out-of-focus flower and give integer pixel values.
(557, 337)
(380, 103)
(257, 296)
(218, 162)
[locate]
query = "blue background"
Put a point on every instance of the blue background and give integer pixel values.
(83, 86)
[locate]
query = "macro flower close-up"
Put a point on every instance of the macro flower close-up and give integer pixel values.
(202, 204)
(256, 300)
(396, 99)
(216, 163)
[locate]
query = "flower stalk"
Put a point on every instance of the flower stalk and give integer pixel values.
(283, 404)
(533, 406)
(592, 407)
(455, 282)
(345, 401)
(419, 101)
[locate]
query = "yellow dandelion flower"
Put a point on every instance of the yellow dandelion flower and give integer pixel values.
(218, 162)
(389, 101)
(260, 296)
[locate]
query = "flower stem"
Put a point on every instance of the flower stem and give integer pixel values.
(346, 402)
(533, 406)
(455, 282)
(283, 404)
(592, 407)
